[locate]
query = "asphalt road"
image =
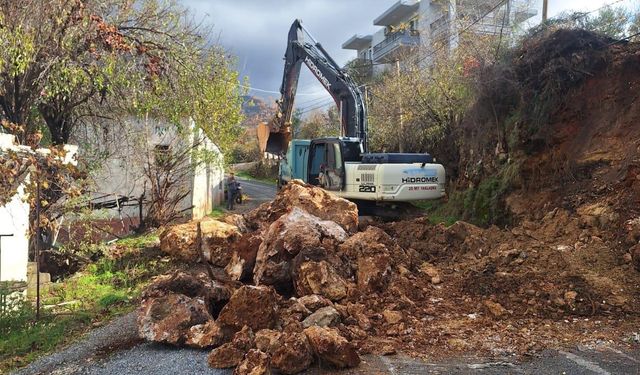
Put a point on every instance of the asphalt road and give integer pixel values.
(115, 349)
(256, 193)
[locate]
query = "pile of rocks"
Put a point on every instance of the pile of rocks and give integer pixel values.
(300, 280)
(289, 268)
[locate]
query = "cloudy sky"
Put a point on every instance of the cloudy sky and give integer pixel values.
(256, 31)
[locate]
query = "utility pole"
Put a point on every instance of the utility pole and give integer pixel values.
(401, 133)
(545, 7)
(37, 244)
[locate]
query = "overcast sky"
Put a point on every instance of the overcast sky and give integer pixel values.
(256, 32)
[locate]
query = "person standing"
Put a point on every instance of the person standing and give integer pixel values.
(232, 190)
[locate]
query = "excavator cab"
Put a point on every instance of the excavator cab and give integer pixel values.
(327, 157)
(326, 167)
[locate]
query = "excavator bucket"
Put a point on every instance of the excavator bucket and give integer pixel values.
(273, 142)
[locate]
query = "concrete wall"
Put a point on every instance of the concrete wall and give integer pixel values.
(14, 219)
(123, 172)
(208, 184)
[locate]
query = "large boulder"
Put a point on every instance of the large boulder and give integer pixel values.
(181, 241)
(372, 255)
(214, 294)
(373, 272)
(292, 311)
(320, 278)
(293, 355)
(268, 340)
(232, 353)
(243, 257)
(313, 302)
(252, 306)
(331, 347)
(255, 362)
(168, 319)
(206, 335)
(225, 356)
(285, 238)
(312, 199)
(323, 317)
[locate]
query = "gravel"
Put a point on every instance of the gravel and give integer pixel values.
(116, 349)
(117, 334)
(153, 359)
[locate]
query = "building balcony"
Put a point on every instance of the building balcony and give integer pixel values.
(358, 42)
(394, 45)
(397, 13)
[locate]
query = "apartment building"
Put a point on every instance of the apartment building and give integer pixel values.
(435, 25)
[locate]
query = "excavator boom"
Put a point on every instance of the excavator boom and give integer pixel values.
(302, 48)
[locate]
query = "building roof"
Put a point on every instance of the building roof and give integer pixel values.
(358, 42)
(397, 12)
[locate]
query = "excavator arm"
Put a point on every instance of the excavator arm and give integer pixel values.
(302, 48)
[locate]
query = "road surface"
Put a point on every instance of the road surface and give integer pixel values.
(256, 193)
(115, 349)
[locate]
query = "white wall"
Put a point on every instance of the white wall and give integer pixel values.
(14, 219)
(207, 189)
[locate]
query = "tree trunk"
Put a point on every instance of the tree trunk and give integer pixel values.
(58, 123)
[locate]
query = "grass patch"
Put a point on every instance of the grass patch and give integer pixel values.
(439, 212)
(104, 289)
(482, 205)
(139, 241)
(217, 213)
(23, 339)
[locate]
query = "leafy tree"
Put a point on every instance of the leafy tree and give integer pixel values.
(413, 111)
(67, 65)
(79, 61)
(318, 124)
(610, 21)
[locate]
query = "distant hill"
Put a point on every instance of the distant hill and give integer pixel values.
(255, 110)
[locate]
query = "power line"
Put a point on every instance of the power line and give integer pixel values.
(309, 102)
(278, 92)
(315, 107)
